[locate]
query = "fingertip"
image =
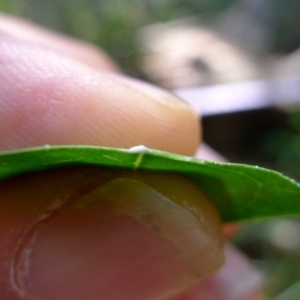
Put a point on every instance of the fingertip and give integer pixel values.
(84, 232)
(187, 134)
(49, 99)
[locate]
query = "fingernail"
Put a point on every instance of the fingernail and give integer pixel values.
(123, 240)
(155, 92)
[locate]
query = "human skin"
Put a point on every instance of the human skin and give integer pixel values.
(56, 90)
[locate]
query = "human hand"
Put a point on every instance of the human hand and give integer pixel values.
(56, 90)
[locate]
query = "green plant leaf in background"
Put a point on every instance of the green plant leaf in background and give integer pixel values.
(240, 192)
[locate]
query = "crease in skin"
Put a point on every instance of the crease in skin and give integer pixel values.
(19, 268)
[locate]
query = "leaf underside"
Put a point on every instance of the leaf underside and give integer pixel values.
(240, 192)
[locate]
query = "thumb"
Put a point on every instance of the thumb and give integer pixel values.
(90, 233)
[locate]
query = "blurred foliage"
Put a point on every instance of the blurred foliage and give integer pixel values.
(274, 247)
(285, 23)
(283, 147)
(113, 24)
(109, 24)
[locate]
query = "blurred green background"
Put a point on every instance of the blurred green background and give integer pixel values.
(265, 29)
(112, 24)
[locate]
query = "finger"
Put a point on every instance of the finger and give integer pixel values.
(206, 152)
(49, 99)
(237, 280)
(85, 233)
(71, 47)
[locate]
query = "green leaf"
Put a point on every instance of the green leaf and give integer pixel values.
(240, 192)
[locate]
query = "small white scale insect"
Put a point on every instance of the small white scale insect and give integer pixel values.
(139, 149)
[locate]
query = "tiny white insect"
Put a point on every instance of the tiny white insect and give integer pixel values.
(47, 146)
(139, 149)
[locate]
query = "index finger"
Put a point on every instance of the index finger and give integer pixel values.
(47, 98)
